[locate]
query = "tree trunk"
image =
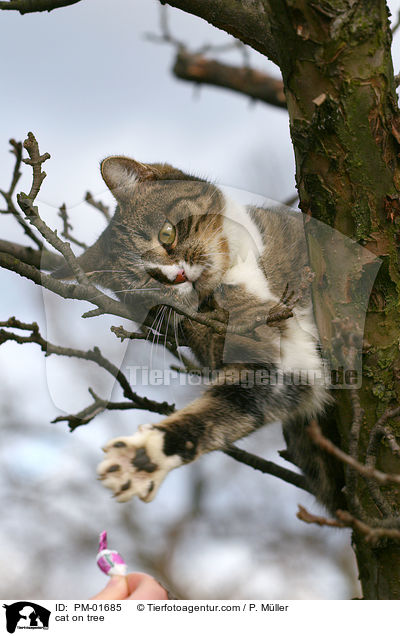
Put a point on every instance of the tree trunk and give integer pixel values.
(338, 76)
(337, 70)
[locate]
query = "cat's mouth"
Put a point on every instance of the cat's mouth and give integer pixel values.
(180, 277)
(176, 275)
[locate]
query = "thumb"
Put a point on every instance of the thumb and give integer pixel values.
(116, 589)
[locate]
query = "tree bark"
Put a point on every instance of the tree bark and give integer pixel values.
(337, 70)
(247, 20)
(345, 126)
(194, 67)
(33, 6)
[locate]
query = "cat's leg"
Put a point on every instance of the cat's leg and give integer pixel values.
(138, 464)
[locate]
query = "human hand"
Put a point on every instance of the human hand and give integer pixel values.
(133, 586)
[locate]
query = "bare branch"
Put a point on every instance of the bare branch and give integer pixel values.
(248, 21)
(396, 24)
(33, 6)
(372, 473)
(67, 227)
(282, 311)
(25, 201)
(99, 405)
(166, 34)
(104, 209)
(93, 355)
(35, 160)
(16, 149)
(123, 334)
(196, 68)
(372, 534)
(193, 66)
(65, 290)
(265, 466)
(290, 201)
(308, 517)
(41, 259)
(379, 432)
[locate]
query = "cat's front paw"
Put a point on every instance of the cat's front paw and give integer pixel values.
(136, 465)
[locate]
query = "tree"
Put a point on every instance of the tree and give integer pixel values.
(340, 94)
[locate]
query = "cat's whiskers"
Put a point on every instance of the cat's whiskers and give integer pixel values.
(176, 328)
(153, 331)
(166, 335)
(131, 291)
(152, 328)
(158, 333)
(101, 271)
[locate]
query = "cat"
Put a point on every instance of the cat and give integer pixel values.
(208, 253)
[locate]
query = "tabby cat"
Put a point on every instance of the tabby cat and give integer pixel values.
(207, 253)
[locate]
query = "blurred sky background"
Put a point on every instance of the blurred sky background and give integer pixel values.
(88, 83)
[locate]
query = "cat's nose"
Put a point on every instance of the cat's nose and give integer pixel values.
(180, 277)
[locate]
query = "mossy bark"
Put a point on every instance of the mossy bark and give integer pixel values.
(335, 58)
(337, 70)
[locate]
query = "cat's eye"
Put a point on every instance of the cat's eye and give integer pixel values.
(167, 234)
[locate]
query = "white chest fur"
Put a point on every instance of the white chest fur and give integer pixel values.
(245, 247)
(298, 347)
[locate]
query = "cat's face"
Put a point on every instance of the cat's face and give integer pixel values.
(167, 228)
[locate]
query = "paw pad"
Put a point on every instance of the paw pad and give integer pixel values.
(136, 465)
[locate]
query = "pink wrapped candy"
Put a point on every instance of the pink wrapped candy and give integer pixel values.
(109, 561)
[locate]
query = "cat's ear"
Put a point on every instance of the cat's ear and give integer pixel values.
(122, 174)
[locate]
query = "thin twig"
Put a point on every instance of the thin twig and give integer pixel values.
(344, 519)
(67, 227)
(16, 150)
(290, 201)
(308, 517)
(396, 24)
(381, 431)
(25, 201)
(104, 209)
(123, 334)
(99, 406)
(193, 66)
(326, 444)
(372, 534)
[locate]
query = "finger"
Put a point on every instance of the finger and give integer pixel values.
(115, 590)
(144, 587)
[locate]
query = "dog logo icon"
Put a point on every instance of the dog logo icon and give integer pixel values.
(26, 615)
